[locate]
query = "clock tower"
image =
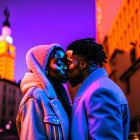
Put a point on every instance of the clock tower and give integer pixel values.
(7, 51)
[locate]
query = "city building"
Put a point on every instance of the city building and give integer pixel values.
(106, 10)
(125, 31)
(9, 102)
(9, 90)
(98, 20)
(122, 46)
(7, 51)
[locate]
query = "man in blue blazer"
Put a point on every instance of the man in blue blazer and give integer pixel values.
(100, 109)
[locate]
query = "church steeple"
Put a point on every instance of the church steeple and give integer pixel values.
(7, 50)
(6, 21)
(6, 29)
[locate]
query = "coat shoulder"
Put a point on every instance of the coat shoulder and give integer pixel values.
(40, 95)
(104, 88)
(109, 86)
(36, 93)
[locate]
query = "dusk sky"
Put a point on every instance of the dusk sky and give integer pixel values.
(44, 22)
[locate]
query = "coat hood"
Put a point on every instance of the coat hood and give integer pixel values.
(29, 80)
(37, 60)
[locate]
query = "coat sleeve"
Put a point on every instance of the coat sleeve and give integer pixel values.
(31, 125)
(104, 116)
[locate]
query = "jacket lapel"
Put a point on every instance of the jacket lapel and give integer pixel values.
(74, 106)
(62, 116)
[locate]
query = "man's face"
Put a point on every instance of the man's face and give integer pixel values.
(57, 69)
(74, 71)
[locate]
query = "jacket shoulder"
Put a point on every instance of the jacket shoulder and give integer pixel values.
(113, 88)
(40, 94)
(107, 88)
(37, 96)
(35, 92)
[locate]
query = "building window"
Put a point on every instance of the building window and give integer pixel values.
(3, 111)
(9, 89)
(117, 28)
(11, 113)
(129, 33)
(4, 89)
(124, 11)
(13, 101)
(4, 99)
(132, 26)
(9, 101)
(120, 17)
(14, 92)
(137, 20)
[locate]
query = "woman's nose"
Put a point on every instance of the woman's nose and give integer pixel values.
(65, 67)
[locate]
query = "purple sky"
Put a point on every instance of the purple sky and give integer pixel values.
(36, 22)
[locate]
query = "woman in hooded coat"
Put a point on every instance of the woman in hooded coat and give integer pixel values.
(45, 108)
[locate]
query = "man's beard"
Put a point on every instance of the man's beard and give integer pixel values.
(75, 81)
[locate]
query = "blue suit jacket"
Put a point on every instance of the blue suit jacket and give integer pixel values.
(100, 110)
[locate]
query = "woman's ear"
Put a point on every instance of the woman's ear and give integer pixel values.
(83, 65)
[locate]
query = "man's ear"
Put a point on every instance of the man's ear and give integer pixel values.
(83, 65)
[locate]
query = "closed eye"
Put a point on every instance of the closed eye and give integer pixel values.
(58, 62)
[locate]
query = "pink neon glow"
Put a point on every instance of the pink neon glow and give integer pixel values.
(10, 122)
(8, 126)
(1, 38)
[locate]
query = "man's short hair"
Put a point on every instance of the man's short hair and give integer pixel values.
(89, 49)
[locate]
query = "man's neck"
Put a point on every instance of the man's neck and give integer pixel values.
(89, 71)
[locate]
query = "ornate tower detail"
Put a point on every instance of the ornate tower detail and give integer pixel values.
(7, 50)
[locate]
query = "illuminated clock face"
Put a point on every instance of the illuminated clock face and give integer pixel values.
(6, 48)
(11, 50)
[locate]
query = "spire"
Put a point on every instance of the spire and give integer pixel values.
(7, 14)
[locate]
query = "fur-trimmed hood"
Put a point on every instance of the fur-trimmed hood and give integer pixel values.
(37, 60)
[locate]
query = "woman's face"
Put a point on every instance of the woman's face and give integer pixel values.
(57, 69)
